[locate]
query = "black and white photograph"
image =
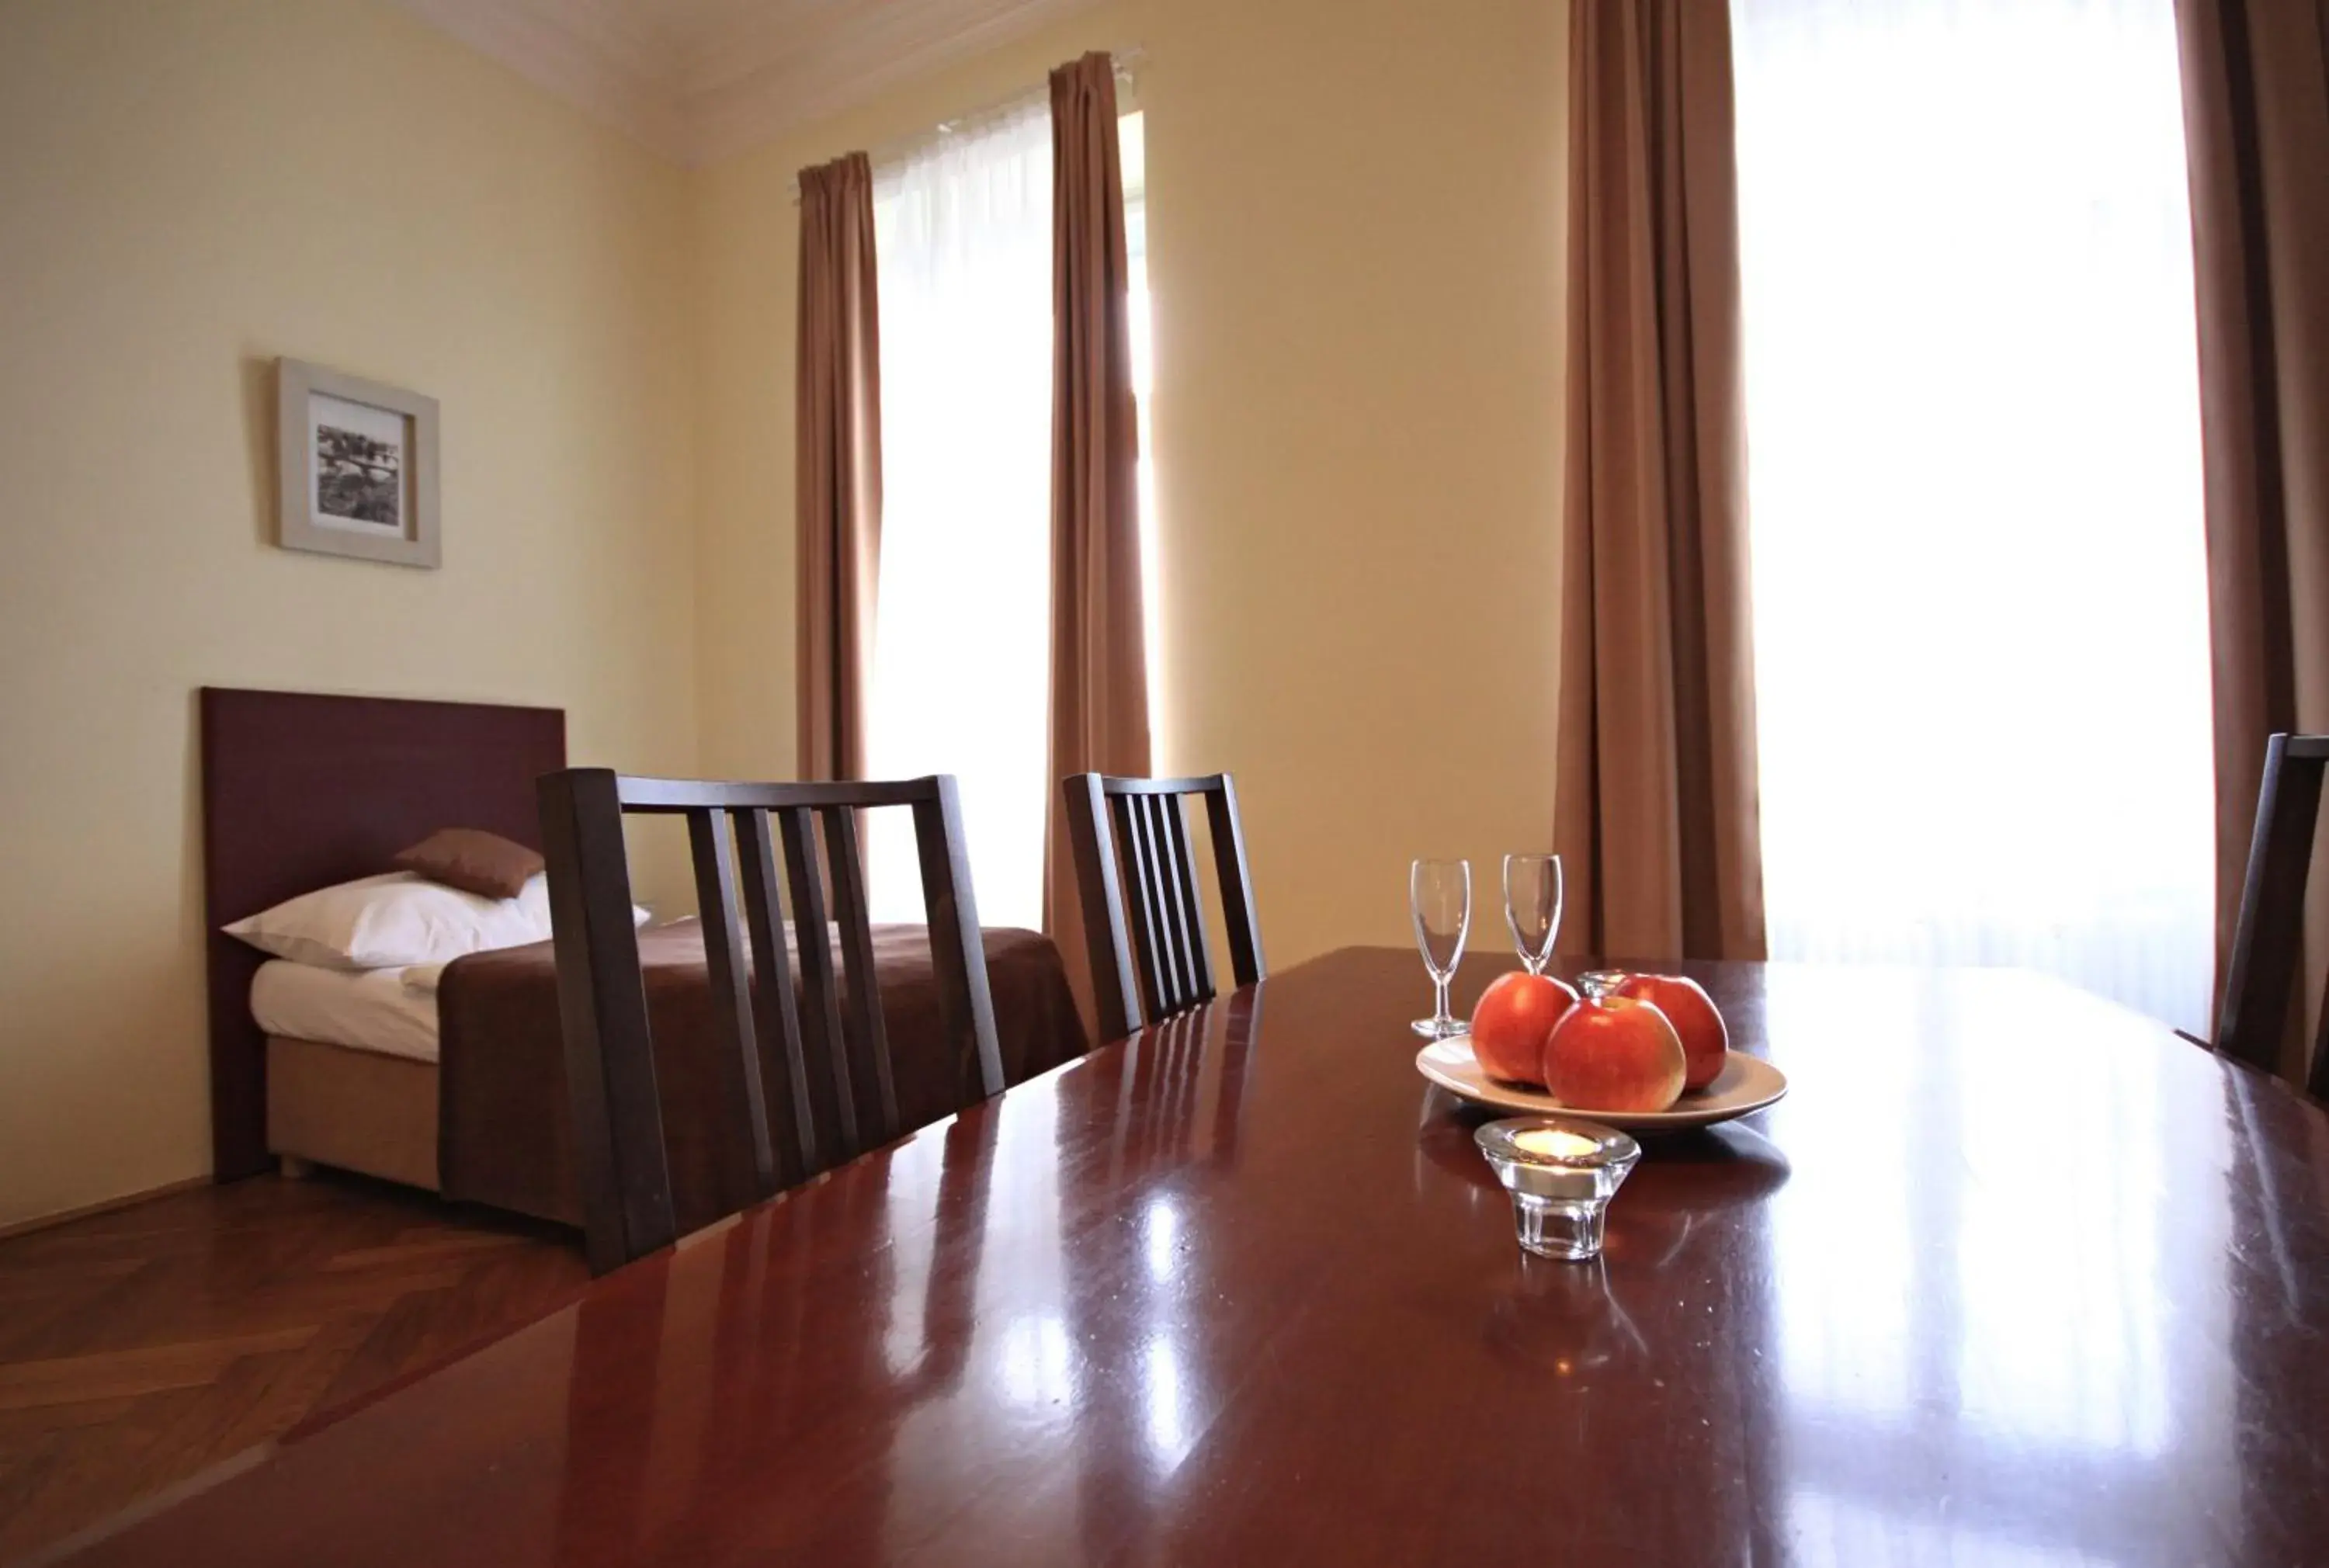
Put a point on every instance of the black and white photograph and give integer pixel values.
(358, 461)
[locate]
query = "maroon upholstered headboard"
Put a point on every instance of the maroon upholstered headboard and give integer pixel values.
(301, 791)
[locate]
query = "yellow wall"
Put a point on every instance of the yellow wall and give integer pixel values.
(187, 190)
(1355, 222)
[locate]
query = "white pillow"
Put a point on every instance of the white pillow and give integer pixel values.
(427, 979)
(388, 921)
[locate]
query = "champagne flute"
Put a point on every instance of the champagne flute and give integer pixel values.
(1440, 896)
(1533, 906)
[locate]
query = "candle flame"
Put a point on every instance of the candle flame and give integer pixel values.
(1552, 1143)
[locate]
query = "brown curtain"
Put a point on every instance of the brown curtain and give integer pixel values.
(1656, 814)
(837, 464)
(1099, 673)
(2255, 111)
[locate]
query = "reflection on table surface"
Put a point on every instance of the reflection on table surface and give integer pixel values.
(2011, 1276)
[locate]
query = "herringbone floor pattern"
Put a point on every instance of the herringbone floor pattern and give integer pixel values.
(141, 1346)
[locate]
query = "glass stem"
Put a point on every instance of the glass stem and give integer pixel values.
(1439, 1012)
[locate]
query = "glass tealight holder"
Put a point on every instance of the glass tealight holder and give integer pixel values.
(1561, 1172)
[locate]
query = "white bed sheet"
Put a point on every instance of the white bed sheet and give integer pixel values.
(366, 1011)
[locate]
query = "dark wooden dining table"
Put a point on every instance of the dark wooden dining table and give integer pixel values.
(2012, 1275)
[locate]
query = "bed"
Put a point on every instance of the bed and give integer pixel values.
(462, 1090)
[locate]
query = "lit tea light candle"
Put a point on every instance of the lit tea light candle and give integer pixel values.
(1561, 1173)
(1555, 1143)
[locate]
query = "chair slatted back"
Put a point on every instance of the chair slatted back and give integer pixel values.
(2268, 942)
(1144, 923)
(837, 1085)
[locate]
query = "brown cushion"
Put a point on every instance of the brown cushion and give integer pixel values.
(473, 860)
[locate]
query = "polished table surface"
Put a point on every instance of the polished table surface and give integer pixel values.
(2011, 1276)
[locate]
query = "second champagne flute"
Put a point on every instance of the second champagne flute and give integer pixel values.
(1533, 906)
(1440, 896)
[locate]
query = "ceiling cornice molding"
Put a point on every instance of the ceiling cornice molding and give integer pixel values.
(701, 79)
(577, 52)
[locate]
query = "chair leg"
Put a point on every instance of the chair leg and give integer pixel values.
(2267, 945)
(2316, 1078)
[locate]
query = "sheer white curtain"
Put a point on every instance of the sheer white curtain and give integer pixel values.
(1132, 152)
(961, 673)
(1973, 425)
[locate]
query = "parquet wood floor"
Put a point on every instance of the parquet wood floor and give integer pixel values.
(141, 1346)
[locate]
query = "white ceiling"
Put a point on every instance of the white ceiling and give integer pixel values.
(699, 79)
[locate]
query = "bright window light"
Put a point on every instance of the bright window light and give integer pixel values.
(1132, 140)
(1981, 634)
(961, 647)
(962, 636)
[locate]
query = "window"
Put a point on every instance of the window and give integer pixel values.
(961, 645)
(962, 635)
(1972, 429)
(1132, 141)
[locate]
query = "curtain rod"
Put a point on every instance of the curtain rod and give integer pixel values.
(897, 149)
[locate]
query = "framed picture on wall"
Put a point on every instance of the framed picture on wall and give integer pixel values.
(358, 463)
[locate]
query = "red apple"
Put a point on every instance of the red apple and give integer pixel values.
(1509, 1026)
(1705, 1042)
(1613, 1053)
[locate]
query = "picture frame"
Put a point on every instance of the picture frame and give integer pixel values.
(356, 466)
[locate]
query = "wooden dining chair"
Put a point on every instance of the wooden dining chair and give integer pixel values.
(836, 1094)
(1163, 964)
(2268, 942)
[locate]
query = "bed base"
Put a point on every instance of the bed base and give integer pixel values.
(352, 1111)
